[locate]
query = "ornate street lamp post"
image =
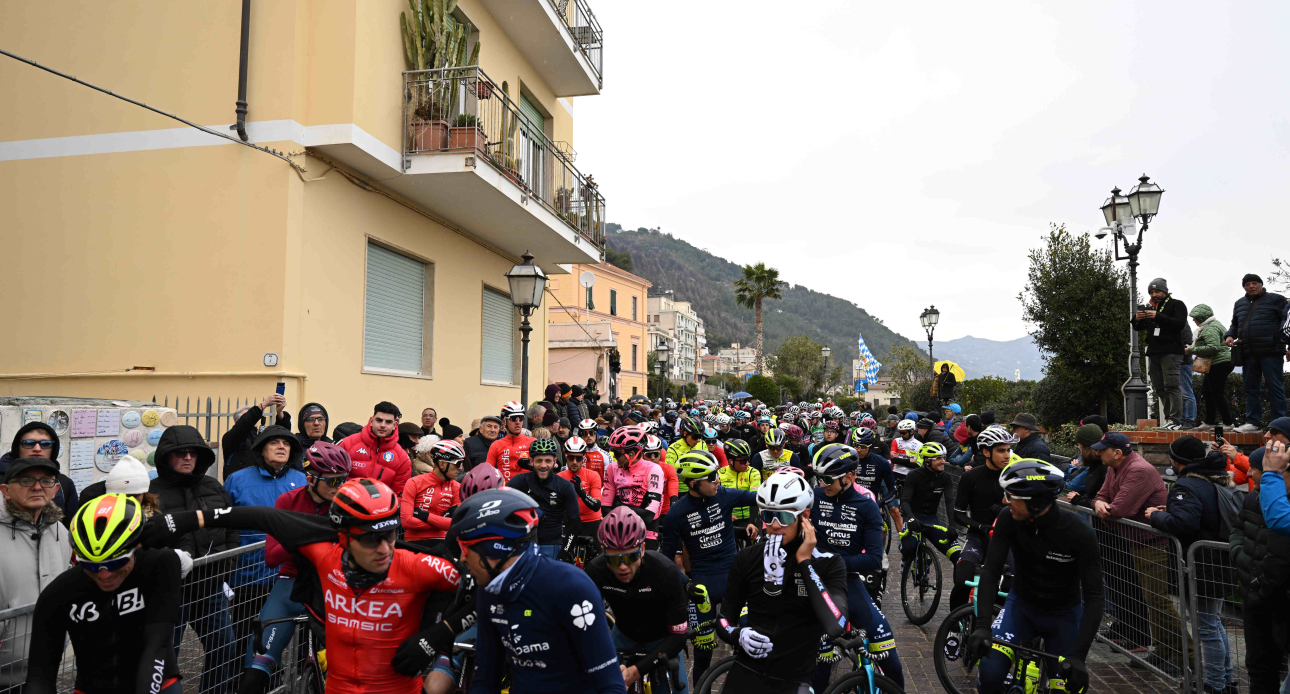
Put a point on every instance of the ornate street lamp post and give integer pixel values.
(528, 283)
(929, 318)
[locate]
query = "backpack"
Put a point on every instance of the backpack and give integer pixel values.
(1230, 501)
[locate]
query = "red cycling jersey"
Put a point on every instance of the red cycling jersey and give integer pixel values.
(434, 496)
(671, 486)
(505, 454)
(599, 460)
(592, 485)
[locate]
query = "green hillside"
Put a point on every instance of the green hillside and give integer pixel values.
(708, 281)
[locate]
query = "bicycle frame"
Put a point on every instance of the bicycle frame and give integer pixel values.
(858, 654)
(1023, 657)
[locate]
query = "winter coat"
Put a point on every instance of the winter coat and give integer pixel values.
(1209, 337)
(1033, 446)
(1165, 331)
(1260, 557)
(195, 491)
(34, 555)
(1262, 335)
(1091, 480)
(1191, 513)
(261, 486)
(476, 450)
(944, 386)
(67, 499)
(235, 444)
(368, 454)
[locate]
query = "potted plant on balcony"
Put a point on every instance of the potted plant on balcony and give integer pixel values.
(434, 43)
(564, 200)
(513, 166)
(467, 133)
(429, 127)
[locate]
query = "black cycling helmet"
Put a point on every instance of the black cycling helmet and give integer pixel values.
(1035, 481)
(693, 427)
(835, 460)
(863, 436)
(738, 448)
(775, 438)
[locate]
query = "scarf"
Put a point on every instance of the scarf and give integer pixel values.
(358, 578)
(773, 560)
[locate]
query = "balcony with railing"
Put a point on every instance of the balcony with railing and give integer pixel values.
(561, 39)
(584, 29)
(460, 111)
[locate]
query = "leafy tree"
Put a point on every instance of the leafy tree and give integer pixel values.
(619, 259)
(1076, 299)
(800, 367)
(910, 372)
(758, 284)
(976, 392)
(691, 390)
(763, 388)
(791, 385)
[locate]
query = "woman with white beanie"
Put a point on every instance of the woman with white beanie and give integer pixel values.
(130, 477)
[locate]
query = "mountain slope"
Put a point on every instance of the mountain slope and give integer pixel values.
(708, 281)
(981, 357)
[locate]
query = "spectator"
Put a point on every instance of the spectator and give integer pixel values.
(1272, 492)
(38, 440)
(551, 401)
(1278, 431)
(944, 385)
(34, 546)
(1257, 319)
(592, 394)
(235, 444)
(1209, 345)
(313, 423)
(1132, 486)
(409, 435)
(567, 407)
(374, 451)
(950, 417)
(428, 418)
(182, 485)
(1163, 322)
(452, 432)
(1030, 444)
(576, 397)
(345, 430)
(965, 449)
(477, 443)
(927, 432)
(1185, 380)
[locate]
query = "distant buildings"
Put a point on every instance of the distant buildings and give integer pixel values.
(676, 324)
(586, 324)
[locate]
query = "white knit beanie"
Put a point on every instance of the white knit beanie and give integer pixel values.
(128, 476)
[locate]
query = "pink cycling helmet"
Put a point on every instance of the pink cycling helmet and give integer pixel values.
(626, 439)
(324, 458)
(621, 529)
(481, 477)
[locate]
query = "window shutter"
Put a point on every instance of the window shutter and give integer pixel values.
(394, 311)
(591, 306)
(497, 357)
(613, 302)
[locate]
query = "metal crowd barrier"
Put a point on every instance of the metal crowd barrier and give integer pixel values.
(1214, 600)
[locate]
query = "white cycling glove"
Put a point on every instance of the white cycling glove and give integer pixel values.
(755, 644)
(185, 563)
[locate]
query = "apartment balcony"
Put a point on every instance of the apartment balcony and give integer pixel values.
(561, 39)
(472, 157)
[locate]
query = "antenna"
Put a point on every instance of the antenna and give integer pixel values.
(587, 279)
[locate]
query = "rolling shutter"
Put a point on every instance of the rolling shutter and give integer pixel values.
(497, 358)
(394, 312)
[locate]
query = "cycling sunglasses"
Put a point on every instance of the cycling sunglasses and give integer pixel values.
(573, 458)
(374, 540)
(828, 479)
(653, 455)
(332, 482)
(785, 518)
(110, 565)
(623, 559)
(34, 443)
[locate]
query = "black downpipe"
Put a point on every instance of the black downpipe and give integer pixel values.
(241, 71)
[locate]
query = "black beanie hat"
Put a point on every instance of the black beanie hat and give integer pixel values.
(1187, 450)
(1251, 277)
(450, 430)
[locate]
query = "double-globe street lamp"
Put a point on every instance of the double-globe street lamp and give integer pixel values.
(660, 368)
(929, 318)
(528, 283)
(1142, 203)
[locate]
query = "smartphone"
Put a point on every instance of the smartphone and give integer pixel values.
(282, 388)
(1218, 434)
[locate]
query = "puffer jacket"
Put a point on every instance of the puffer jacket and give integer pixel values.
(261, 486)
(235, 444)
(1033, 446)
(195, 491)
(1191, 513)
(35, 553)
(1209, 337)
(1262, 336)
(1260, 557)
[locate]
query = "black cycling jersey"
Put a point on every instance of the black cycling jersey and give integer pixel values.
(122, 639)
(978, 500)
(1057, 566)
(924, 488)
(650, 608)
(557, 499)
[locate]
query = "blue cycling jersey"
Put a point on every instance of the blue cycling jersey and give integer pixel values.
(874, 473)
(704, 525)
(548, 617)
(849, 526)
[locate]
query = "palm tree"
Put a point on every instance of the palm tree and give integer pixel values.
(759, 282)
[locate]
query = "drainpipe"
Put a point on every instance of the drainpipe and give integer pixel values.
(240, 127)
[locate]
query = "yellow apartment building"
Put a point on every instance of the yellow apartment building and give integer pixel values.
(614, 305)
(364, 261)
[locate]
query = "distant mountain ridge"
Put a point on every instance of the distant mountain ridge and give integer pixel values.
(707, 281)
(981, 357)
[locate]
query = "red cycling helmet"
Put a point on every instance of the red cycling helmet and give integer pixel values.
(481, 477)
(622, 528)
(324, 458)
(364, 505)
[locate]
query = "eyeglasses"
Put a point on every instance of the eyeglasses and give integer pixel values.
(653, 455)
(785, 518)
(110, 565)
(860, 447)
(623, 559)
(45, 482)
(332, 482)
(185, 453)
(36, 443)
(573, 458)
(828, 479)
(318, 419)
(374, 540)
(515, 418)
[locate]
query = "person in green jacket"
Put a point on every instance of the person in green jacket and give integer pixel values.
(1209, 345)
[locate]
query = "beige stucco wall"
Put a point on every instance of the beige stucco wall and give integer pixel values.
(626, 331)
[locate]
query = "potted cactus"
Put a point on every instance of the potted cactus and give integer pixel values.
(429, 127)
(436, 45)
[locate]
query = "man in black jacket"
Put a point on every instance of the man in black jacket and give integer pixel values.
(182, 484)
(1261, 560)
(1163, 321)
(1258, 319)
(235, 445)
(313, 423)
(478, 442)
(1030, 444)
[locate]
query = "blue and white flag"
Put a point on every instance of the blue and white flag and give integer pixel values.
(868, 364)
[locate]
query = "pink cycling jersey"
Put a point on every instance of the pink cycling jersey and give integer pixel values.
(639, 486)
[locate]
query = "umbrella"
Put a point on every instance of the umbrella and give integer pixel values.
(740, 394)
(638, 398)
(954, 369)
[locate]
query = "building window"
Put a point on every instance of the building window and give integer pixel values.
(591, 305)
(634, 357)
(633, 390)
(634, 308)
(497, 356)
(398, 310)
(613, 302)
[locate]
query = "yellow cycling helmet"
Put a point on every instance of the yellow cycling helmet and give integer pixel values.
(697, 465)
(931, 449)
(107, 527)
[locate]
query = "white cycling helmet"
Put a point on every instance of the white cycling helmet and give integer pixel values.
(723, 420)
(994, 435)
(587, 425)
(906, 425)
(575, 445)
(785, 491)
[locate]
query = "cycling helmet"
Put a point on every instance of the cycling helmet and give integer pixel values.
(480, 478)
(622, 528)
(694, 413)
(905, 425)
(869, 422)
(1035, 481)
(107, 527)
(741, 414)
(448, 451)
(723, 420)
(497, 523)
(650, 426)
(995, 435)
(931, 449)
(587, 425)
(654, 443)
(709, 419)
(693, 427)
(697, 465)
(794, 432)
(512, 409)
(738, 448)
(324, 458)
(602, 442)
(627, 439)
(863, 436)
(785, 491)
(544, 447)
(835, 459)
(575, 445)
(709, 434)
(832, 426)
(670, 416)
(764, 419)
(364, 505)
(775, 438)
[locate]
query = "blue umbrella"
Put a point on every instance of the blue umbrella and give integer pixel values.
(741, 394)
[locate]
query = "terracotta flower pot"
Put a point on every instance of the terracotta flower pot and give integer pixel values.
(484, 90)
(467, 137)
(430, 135)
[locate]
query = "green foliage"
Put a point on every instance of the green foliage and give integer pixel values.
(1053, 404)
(763, 388)
(1015, 398)
(691, 390)
(434, 39)
(910, 372)
(920, 397)
(974, 393)
(758, 284)
(619, 259)
(465, 120)
(1061, 440)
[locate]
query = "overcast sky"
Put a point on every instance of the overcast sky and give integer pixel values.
(902, 155)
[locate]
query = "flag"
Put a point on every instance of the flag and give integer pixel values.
(868, 363)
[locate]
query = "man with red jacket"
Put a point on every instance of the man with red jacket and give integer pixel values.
(428, 497)
(507, 450)
(376, 446)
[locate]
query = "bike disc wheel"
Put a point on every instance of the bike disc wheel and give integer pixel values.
(920, 585)
(858, 683)
(715, 677)
(954, 675)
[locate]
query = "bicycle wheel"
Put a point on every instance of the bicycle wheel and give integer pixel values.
(858, 683)
(715, 677)
(920, 585)
(951, 665)
(311, 681)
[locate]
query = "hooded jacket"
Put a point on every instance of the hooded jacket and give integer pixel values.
(302, 437)
(1164, 333)
(67, 498)
(261, 486)
(1262, 334)
(367, 454)
(195, 491)
(1209, 336)
(235, 444)
(35, 553)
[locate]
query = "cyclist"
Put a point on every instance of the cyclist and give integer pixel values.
(587, 481)
(544, 616)
(905, 445)
(714, 444)
(429, 497)
(505, 453)
(119, 605)
(700, 520)
(633, 481)
(775, 455)
(976, 504)
(654, 451)
(795, 595)
(849, 525)
(873, 472)
(555, 495)
(739, 475)
(1057, 587)
(920, 497)
(832, 432)
(375, 595)
(648, 595)
(690, 438)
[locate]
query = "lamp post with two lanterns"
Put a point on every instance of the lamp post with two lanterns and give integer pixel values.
(528, 283)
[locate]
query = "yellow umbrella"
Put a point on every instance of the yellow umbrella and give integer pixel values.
(954, 369)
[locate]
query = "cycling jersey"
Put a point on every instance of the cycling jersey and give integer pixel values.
(434, 495)
(295, 500)
(768, 463)
(873, 472)
(639, 487)
(923, 492)
(674, 453)
(591, 489)
(505, 454)
(122, 639)
(558, 501)
(906, 447)
(598, 460)
(978, 501)
(671, 488)
(550, 619)
(653, 607)
(704, 525)
(748, 480)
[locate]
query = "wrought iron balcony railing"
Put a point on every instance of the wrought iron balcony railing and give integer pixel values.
(584, 29)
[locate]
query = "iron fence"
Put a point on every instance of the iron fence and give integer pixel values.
(1214, 600)
(462, 110)
(584, 29)
(214, 420)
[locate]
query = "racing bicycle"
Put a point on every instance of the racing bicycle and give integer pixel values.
(309, 676)
(920, 582)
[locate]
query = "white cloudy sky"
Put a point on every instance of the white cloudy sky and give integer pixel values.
(901, 154)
